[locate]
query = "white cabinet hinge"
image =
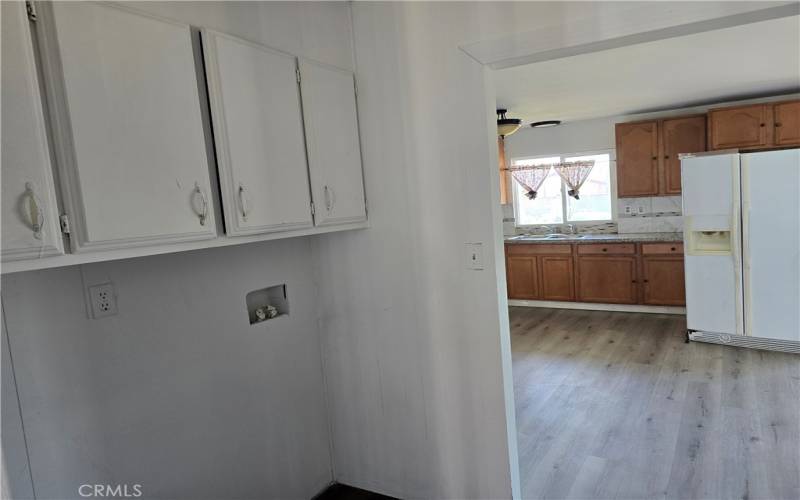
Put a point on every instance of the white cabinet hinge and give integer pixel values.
(64, 221)
(31, 9)
(297, 73)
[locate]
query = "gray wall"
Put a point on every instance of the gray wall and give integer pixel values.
(178, 392)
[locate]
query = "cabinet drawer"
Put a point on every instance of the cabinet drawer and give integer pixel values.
(662, 248)
(538, 249)
(612, 248)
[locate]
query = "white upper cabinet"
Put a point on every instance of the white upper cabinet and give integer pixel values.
(334, 155)
(130, 136)
(258, 132)
(30, 227)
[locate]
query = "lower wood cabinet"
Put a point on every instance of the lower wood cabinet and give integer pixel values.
(523, 277)
(610, 280)
(612, 273)
(663, 280)
(558, 281)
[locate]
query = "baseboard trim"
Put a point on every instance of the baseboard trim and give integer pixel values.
(598, 307)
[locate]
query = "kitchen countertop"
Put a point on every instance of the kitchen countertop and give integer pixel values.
(597, 238)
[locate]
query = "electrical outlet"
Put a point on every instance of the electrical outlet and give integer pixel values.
(640, 208)
(103, 299)
(628, 210)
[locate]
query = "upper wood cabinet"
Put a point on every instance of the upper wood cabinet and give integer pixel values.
(637, 158)
(258, 132)
(678, 136)
(332, 139)
(130, 142)
(30, 227)
(739, 127)
(647, 154)
(786, 119)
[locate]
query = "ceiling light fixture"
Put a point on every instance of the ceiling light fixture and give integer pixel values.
(546, 123)
(506, 126)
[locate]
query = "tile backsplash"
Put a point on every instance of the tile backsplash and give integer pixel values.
(659, 214)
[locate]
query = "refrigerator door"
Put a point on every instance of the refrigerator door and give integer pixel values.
(771, 243)
(712, 261)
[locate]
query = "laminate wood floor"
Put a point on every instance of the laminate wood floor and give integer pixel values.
(616, 405)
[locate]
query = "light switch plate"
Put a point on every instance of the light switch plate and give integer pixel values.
(474, 255)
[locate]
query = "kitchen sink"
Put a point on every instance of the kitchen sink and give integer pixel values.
(555, 236)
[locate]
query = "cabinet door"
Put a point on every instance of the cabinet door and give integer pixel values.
(133, 149)
(334, 154)
(523, 278)
(738, 127)
(610, 280)
(30, 226)
(787, 123)
(663, 280)
(557, 278)
(258, 132)
(680, 135)
(637, 159)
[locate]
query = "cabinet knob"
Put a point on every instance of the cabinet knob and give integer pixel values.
(646, 281)
(605, 249)
(200, 204)
(777, 124)
(673, 249)
(763, 124)
(666, 157)
(35, 211)
(655, 157)
(633, 281)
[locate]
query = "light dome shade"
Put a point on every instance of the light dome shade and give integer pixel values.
(506, 126)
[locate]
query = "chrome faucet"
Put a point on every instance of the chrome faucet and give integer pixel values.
(572, 229)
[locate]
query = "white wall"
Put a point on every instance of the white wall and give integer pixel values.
(413, 347)
(178, 392)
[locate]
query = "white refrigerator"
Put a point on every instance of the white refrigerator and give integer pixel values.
(742, 248)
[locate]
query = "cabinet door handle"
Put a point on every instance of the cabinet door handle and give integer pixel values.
(633, 281)
(666, 157)
(646, 281)
(330, 198)
(605, 249)
(777, 124)
(244, 204)
(655, 157)
(200, 209)
(673, 249)
(34, 208)
(763, 125)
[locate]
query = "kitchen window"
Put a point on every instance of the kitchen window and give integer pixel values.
(553, 205)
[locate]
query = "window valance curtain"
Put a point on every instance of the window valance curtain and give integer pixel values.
(530, 178)
(574, 174)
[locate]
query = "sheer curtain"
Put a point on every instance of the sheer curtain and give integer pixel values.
(530, 177)
(574, 174)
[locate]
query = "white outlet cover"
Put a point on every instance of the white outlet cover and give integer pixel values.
(474, 255)
(103, 299)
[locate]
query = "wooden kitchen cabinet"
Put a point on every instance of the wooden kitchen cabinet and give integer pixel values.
(637, 158)
(678, 136)
(30, 226)
(558, 279)
(648, 162)
(786, 118)
(522, 274)
(607, 279)
(663, 280)
(739, 126)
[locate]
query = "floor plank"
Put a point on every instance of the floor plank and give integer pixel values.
(616, 405)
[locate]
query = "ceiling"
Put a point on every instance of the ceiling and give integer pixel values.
(746, 61)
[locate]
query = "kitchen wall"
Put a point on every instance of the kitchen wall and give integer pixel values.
(178, 392)
(598, 134)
